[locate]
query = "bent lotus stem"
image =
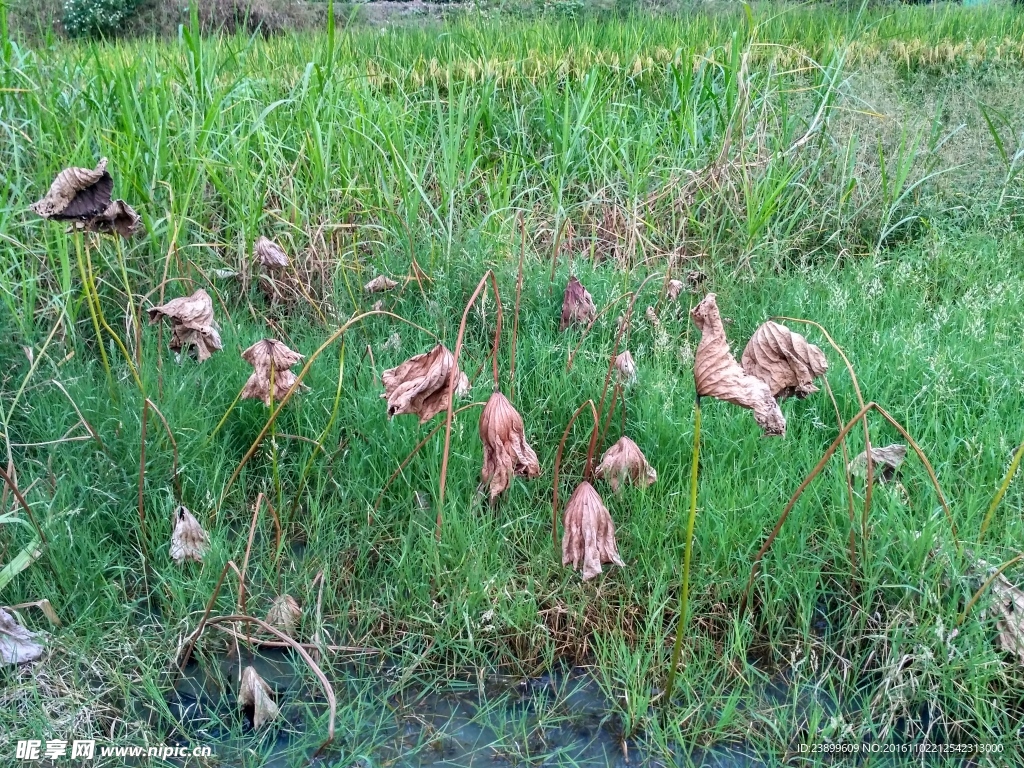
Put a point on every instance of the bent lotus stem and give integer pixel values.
(87, 288)
(1001, 492)
(684, 594)
(295, 387)
(861, 414)
(453, 377)
(558, 461)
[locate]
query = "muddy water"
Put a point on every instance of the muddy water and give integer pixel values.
(559, 720)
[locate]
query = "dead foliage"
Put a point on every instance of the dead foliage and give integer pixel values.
(577, 305)
(284, 614)
(626, 368)
(624, 463)
(256, 698)
(885, 462)
(82, 196)
(270, 359)
(506, 452)
(17, 644)
(193, 328)
(420, 385)
(588, 534)
(380, 284)
(270, 255)
(784, 360)
(718, 375)
(189, 541)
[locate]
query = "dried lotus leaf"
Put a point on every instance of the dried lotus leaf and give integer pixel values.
(380, 284)
(269, 254)
(885, 462)
(284, 614)
(192, 324)
(626, 367)
(420, 385)
(623, 463)
(784, 360)
(77, 193)
(189, 541)
(506, 452)
(718, 375)
(256, 698)
(17, 644)
(588, 537)
(270, 359)
(577, 305)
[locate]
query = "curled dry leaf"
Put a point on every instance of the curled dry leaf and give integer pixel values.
(17, 644)
(718, 375)
(380, 284)
(577, 305)
(192, 324)
(256, 698)
(77, 194)
(188, 539)
(652, 317)
(1008, 603)
(675, 287)
(885, 462)
(269, 254)
(626, 367)
(420, 384)
(783, 360)
(506, 452)
(588, 537)
(624, 462)
(284, 614)
(83, 197)
(269, 357)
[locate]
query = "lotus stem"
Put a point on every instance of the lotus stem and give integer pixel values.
(87, 290)
(1001, 492)
(684, 595)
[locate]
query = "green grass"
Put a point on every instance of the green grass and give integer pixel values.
(810, 165)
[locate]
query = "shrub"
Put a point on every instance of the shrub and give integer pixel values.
(97, 18)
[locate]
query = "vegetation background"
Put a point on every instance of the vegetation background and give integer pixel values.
(857, 167)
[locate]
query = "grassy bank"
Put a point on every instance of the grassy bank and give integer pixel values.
(859, 171)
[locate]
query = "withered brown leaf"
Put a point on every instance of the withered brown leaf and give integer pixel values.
(624, 462)
(256, 698)
(884, 462)
(192, 324)
(588, 537)
(117, 218)
(77, 193)
(269, 254)
(783, 360)
(577, 305)
(188, 539)
(626, 367)
(420, 384)
(718, 375)
(17, 644)
(675, 287)
(270, 358)
(506, 452)
(284, 614)
(380, 284)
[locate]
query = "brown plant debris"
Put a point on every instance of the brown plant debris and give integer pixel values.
(82, 196)
(192, 324)
(695, 279)
(269, 357)
(1008, 603)
(577, 305)
(718, 375)
(652, 318)
(269, 254)
(675, 287)
(284, 614)
(17, 644)
(420, 384)
(783, 360)
(623, 463)
(885, 462)
(693, 282)
(626, 367)
(188, 539)
(380, 284)
(256, 698)
(588, 537)
(506, 452)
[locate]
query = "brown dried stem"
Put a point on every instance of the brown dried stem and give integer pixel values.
(558, 462)
(515, 313)
(453, 377)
